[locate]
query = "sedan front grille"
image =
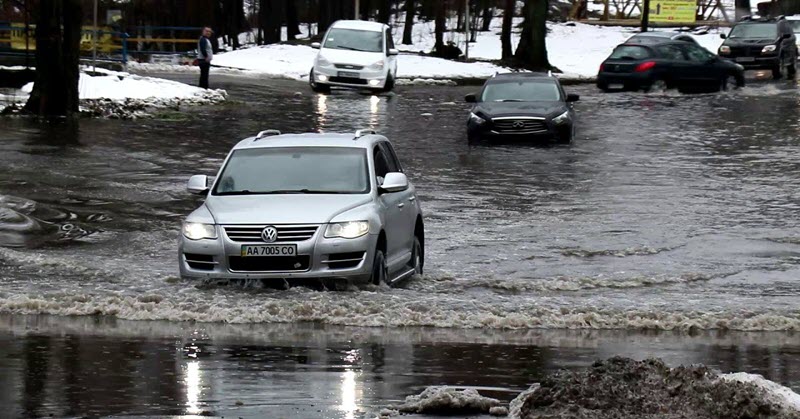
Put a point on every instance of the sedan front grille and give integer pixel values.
(520, 126)
(286, 233)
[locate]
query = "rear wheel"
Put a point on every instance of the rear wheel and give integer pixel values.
(657, 86)
(380, 271)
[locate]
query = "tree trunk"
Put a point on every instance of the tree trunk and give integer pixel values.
(645, 15)
(384, 10)
(55, 90)
(742, 8)
(292, 22)
(532, 51)
(439, 26)
(505, 34)
(488, 14)
(410, 7)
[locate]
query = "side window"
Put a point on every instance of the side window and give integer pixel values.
(394, 162)
(381, 164)
(670, 52)
(696, 53)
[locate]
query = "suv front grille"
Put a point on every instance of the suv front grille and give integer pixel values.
(286, 233)
(269, 263)
(520, 126)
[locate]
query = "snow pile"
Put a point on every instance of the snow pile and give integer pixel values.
(124, 95)
(449, 401)
(626, 389)
(775, 392)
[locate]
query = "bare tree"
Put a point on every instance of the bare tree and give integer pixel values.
(292, 21)
(439, 26)
(411, 10)
(532, 51)
(58, 41)
(505, 34)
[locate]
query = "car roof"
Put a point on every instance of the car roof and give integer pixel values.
(361, 25)
(501, 77)
(274, 139)
(656, 37)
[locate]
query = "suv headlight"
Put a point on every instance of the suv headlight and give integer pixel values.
(724, 50)
(564, 117)
(378, 65)
(476, 119)
(199, 231)
(768, 49)
(348, 230)
(322, 61)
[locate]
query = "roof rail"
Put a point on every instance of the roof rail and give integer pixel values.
(362, 132)
(267, 133)
(549, 73)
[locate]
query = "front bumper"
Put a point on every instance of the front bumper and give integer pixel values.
(758, 63)
(221, 258)
(344, 77)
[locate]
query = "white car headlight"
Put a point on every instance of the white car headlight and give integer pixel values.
(768, 48)
(564, 117)
(348, 230)
(378, 65)
(199, 231)
(724, 50)
(476, 119)
(322, 61)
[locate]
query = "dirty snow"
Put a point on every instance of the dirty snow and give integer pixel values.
(448, 400)
(777, 393)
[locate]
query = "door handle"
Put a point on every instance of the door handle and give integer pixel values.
(401, 205)
(412, 198)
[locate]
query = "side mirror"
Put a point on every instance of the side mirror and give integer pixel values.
(316, 45)
(198, 184)
(393, 51)
(722, 35)
(786, 36)
(394, 182)
(471, 98)
(572, 97)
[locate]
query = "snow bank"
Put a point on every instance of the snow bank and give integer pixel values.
(117, 94)
(626, 389)
(577, 49)
(449, 400)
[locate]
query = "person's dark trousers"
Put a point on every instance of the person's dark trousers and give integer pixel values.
(204, 68)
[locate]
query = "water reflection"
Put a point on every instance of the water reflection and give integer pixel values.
(349, 397)
(350, 109)
(193, 386)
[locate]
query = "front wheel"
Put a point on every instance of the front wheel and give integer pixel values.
(791, 69)
(380, 271)
(389, 85)
(417, 257)
(778, 70)
(731, 82)
(317, 87)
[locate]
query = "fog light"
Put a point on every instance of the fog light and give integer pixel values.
(322, 77)
(374, 82)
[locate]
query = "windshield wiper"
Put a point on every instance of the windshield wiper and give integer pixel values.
(509, 100)
(352, 49)
(299, 191)
(242, 192)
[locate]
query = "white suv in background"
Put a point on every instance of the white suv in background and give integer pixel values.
(355, 53)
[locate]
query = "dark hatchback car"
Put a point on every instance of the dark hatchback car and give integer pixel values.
(521, 106)
(668, 64)
(765, 44)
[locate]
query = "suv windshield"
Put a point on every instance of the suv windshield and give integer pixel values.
(521, 91)
(286, 170)
(755, 30)
(354, 40)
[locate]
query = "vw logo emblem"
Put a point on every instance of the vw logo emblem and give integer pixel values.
(269, 234)
(518, 124)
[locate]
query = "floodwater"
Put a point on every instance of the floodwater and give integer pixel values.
(668, 212)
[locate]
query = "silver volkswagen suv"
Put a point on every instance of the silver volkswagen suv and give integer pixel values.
(305, 206)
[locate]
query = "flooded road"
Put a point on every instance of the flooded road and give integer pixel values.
(668, 212)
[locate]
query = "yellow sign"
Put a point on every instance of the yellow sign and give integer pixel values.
(673, 11)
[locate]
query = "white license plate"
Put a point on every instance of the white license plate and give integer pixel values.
(745, 59)
(348, 74)
(616, 86)
(270, 250)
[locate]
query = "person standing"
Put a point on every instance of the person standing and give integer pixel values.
(204, 55)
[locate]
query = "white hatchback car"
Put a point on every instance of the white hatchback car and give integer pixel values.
(355, 53)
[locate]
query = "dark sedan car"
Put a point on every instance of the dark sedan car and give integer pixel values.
(520, 106)
(669, 64)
